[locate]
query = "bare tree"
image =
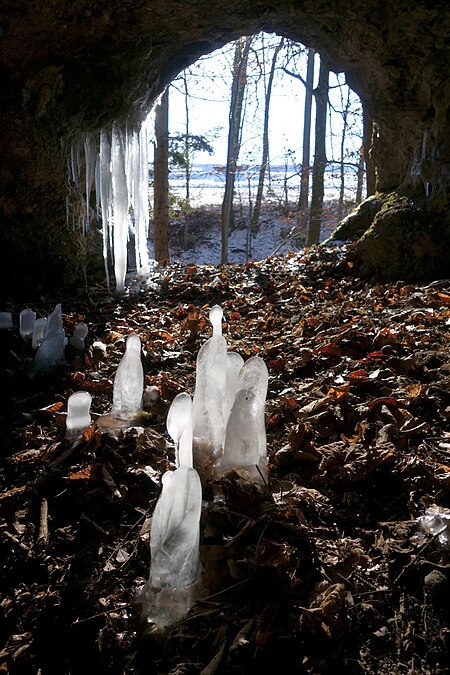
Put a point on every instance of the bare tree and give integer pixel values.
(345, 109)
(242, 47)
(265, 138)
(320, 157)
(306, 149)
(367, 142)
(161, 180)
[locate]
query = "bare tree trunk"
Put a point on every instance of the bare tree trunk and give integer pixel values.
(320, 158)
(360, 176)
(367, 142)
(234, 133)
(161, 180)
(265, 143)
(306, 150)
(187, 158)
(345, 112)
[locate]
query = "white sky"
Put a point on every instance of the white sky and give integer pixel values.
(209, 83)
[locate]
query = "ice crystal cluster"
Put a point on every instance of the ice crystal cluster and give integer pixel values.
(221, 430)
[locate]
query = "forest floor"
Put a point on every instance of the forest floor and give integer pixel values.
(326, 569)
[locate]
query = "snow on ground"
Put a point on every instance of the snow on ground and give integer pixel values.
(276, 235)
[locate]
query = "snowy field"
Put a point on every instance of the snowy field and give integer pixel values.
(208, 183)
(206, 189)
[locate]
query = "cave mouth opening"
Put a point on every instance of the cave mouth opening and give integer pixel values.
(112, 165)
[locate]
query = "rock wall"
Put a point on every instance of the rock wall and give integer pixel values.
(69, 67)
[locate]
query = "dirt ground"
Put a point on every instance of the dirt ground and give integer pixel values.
(324, 570)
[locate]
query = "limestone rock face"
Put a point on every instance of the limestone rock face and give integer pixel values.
(71, 67)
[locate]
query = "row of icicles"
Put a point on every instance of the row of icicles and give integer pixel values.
(116, 162)
(220, 430)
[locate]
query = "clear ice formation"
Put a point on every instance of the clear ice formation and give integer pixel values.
(436, 521)
(79, 334)
(6, 322)
(120, 208)
(174, 546)
(245, 446)
(38, 332)
(118, 159)
(179, 428)
(215, 317)
(78, 415)
(51, 349)
(129, 381)
(27, 320)
(209, 404)
(234, 365)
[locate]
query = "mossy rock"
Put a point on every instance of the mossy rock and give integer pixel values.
(403, 243)
(353, 226)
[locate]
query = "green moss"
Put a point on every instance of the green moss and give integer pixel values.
(403, 243)
(358, 221)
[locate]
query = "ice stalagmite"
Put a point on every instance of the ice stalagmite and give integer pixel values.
(27, 320)
(174, 547)
(38, 331)
(78, 416)
(77, 341)
(210, 399)
(179, 427)
(51, 349)
(129, 381)
(245, 449)
(6, 322)
(234, 365)
(215, 317)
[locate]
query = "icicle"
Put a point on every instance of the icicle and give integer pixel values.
(142, 221)
(104, 194)
(137, 181)
(90, 155)
(119, 167)
(120, 206)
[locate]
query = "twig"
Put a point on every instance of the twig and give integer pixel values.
(14, 539)
(43, 523)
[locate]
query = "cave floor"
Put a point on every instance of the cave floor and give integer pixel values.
(326, 568)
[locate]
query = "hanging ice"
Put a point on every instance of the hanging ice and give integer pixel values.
(120, 207)
(27, 319)
(90, 154)
(38, 332)
(179, 427)
(129, 381)
(51, 349)
(79, 334)
(78, 416)
(118, 159)
(137, 181)
(104, 192)
(245, 436)
(234, 365)
(210, 402)
(174, 547)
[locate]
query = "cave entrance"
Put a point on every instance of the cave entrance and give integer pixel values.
(274, 151)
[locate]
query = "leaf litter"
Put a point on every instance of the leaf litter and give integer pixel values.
(325, 568)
